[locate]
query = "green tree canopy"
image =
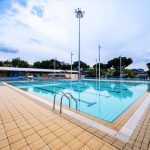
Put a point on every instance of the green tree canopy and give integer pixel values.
(37, 64)
(148, 66)
(91, 72)
(83, 65)
(103, 70)
(47, 64)
(1, 63)
(17, 62)
(65, 67)
(115, 63)
(103, 66)
(129, 73)
(7, 63)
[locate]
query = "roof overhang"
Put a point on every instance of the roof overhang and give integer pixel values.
(32, 70)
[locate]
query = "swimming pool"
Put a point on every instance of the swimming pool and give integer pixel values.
(104, 100)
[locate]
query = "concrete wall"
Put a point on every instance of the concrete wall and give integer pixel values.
(71, 76)
(36, 74)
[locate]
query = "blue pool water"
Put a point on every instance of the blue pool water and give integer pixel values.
(104, 100)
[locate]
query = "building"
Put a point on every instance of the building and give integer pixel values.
(140, 73)
(22, 73)
(139, 70)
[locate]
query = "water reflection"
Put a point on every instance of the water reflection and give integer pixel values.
(118, 90)
(115, 89)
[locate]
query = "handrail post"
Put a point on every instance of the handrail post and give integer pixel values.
(73, 99)
(61, 102)
(54, 102)
(69, 103)
(76, 106)
(61, 105)
(55, 98)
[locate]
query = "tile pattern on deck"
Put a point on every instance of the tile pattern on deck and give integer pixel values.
(25, 124)
(140, 139)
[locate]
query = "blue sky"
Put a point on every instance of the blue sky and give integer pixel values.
(43, 29)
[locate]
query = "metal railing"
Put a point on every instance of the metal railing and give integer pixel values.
(55, 98)
(64, 94)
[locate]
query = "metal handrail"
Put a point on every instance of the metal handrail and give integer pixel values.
(72, 98)
(64, 94)
(69, 101)
(61, 102)
(55, 98)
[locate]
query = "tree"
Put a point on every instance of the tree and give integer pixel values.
(17, 62)
(115, 63)
(36, 64)
(65, 67)
(129, 73)
(7, 63)
(91, 72)
(23, 64)
(104, 68)
(57, 64)
(1, 63)
(148, 66)
(125, 62)
(47, 64)
(83, 65)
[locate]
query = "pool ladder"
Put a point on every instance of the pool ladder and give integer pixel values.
(68, 97)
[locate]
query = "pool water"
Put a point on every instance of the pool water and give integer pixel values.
(105, 100)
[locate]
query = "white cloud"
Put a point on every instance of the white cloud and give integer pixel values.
(122, 27)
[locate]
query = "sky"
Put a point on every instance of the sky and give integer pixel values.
(37, 30)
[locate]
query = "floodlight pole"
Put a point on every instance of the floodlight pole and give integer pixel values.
(120, 68)
(79, 14)
(54, 66)
(99, 48)
(96, 69)
(71, 64)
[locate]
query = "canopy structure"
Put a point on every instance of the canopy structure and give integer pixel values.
(32, 70)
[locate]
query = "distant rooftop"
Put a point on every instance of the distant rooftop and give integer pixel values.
(33, 69)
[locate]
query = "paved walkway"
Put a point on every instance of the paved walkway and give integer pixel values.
(25, 124)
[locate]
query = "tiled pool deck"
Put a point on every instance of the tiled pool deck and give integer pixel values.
(25, 124)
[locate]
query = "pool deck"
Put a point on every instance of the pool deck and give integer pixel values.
(25, 124)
